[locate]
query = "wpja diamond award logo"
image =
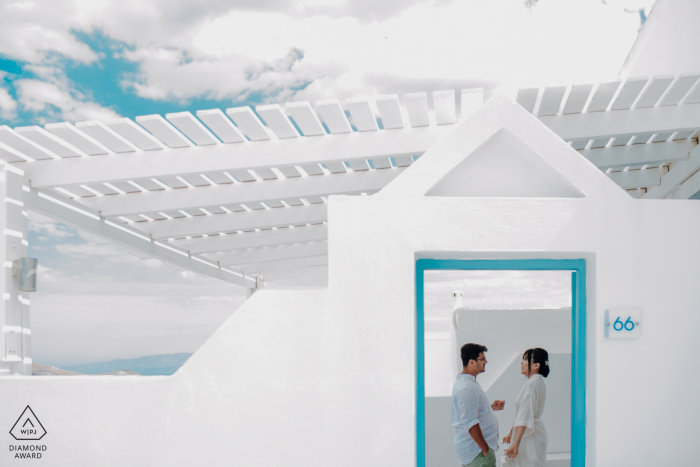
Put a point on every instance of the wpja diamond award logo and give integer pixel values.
(28, 428)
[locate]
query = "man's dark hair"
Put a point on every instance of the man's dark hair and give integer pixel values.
(471, 352)
(540, 356)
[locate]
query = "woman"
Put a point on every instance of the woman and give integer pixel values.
(529, 446)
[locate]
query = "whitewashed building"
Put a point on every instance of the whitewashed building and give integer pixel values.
(365, 195)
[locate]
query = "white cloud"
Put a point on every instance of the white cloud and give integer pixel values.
(227, 50)
(426, 43)
(50, 229)
(53, 101)
(8, 106)
(33, 30)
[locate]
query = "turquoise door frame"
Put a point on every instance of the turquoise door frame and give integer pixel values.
(578, 339)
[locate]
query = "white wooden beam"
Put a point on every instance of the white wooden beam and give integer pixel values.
(255, 239)
(266, 267)
(677, 175)
(619, 157)
(241, 193)
(229, 157)
(80, 217)
(597, 125)
(638, 178)
(271, 253)
(236, 221)
(292, 274)
(688, 189)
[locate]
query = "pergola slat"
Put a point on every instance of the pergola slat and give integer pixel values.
(472, 100)
(237, 221)
(30, 150)
(77, 138)
(578, 96)
(277, 121)
(192, 128)
(333, 116)
(135, 134)
(653, 92)
(163, 131)
(390, 111)
(249, 123)
(527, 97)
(445, 107)
(263, 238)
(551, 100)
(416, 105)
(10, 154)
(603, 95)
(362, 115)
(49, 141)
(107, 136)
(305, 117)
(629, 93)
(221, 125)
(679, 89)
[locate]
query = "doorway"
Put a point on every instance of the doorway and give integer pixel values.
(577, 362)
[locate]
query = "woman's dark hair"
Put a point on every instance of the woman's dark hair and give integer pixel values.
(471, 352)
(540, 356)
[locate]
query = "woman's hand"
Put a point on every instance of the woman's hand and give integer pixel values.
(506, 440)
(498, 405)
(512, 451)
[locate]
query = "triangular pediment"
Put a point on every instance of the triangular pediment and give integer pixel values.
(503, 151)
(504, 166)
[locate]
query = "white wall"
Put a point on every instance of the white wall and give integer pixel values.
(504, 332)
(668, 43)
(507, 333)
(328, 377)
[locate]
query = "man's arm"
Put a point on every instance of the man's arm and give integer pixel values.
(478, 437)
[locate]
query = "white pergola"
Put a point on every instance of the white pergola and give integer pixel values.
(241, 195)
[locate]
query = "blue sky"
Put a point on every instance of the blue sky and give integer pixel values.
(100, 82)
(78, 60)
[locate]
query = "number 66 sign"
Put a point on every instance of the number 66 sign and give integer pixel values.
(623, 323)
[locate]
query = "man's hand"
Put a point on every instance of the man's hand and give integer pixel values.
(498, 405)
(512, 451)
(478, 437)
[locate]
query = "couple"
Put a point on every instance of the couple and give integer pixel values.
(475, 424)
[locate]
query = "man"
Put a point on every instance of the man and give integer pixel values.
(475, 424)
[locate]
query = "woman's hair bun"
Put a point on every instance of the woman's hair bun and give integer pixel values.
(538, 355)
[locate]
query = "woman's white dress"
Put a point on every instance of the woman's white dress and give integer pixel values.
(528, 412)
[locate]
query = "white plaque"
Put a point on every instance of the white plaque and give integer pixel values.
(621, 323)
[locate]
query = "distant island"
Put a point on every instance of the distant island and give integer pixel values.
(152, 365)
(47, 370)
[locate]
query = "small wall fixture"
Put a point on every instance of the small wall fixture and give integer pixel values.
(25, 270)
